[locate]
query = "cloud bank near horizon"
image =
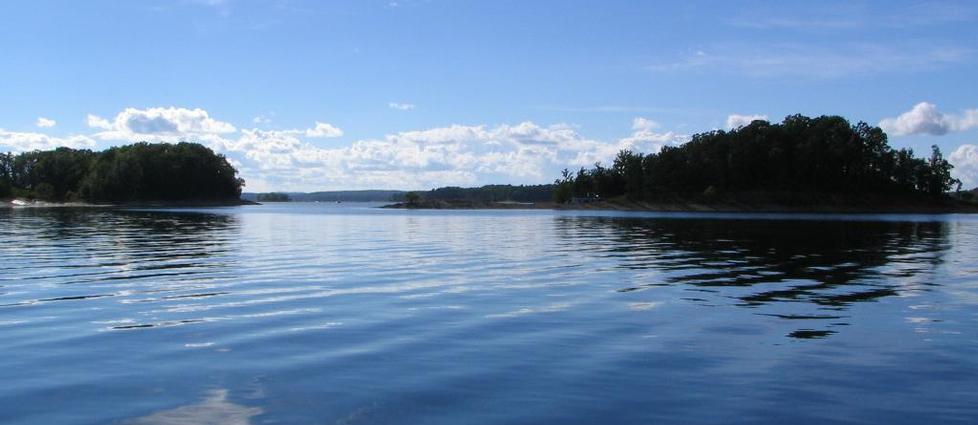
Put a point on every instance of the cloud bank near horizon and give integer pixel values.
(291, 159)
(463, 155)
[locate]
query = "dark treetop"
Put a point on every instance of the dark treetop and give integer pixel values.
(824, 155)
(273, 197)
(490, 193)
(132, 173)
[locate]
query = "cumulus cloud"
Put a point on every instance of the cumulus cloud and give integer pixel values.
(290, 159)
(452, 155)
(644, 124)
(45, 122)
(324, 130)
(737, 121)
(21, 142)
(400, 106)
(925, 118)
(965, 161)
(158, 124)
(644, 138)
(95, 121)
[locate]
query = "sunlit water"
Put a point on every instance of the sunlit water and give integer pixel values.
(344, 314)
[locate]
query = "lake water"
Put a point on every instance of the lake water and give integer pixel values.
(346, 314)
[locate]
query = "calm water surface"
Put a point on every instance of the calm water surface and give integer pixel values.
(343, 314)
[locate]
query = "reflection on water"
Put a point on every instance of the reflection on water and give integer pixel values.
(214, 409)
(820, 267)
(325, 314)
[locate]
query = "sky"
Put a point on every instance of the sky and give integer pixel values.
(417, 94)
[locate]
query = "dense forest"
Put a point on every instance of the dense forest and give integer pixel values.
(273, 197)
(823, 155)
(488, 193)
(137, 172)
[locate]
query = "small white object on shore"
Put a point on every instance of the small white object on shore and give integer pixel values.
(20, 203)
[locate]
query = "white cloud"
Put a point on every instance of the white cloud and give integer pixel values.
(21, 142)
(45, 122)
(737, 121)
(400, 106)
(644, 124)
(452, 155)
(643, 139)
(925, 118)
(158, 124)
(465, 155)
(323, 130)
(261, 119)
(965, 161)
(95, 121)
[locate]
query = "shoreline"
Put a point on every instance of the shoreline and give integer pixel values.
(603, 205)
(9, 203)
(699, 206)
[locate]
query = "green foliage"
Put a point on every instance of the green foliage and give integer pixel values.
(138, 172)
(939, 178)
(481, 195)
(6, 168)
(564, 187)
(273, 197)
(493, 193)
(48, 175)
(412, 198)
(810, 155)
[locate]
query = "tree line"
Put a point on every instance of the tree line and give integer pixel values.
(137, 172)
(823, 155)
(273, 197)
(485, 194)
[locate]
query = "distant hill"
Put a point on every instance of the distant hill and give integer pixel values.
(491, 193)
(488, 193)
(334, 196)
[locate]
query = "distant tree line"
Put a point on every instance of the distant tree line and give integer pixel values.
(823, 155)
(137, 172)
(489, 193)
(335, 196)
(273, 197)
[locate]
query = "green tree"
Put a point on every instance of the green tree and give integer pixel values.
(412, 198)
(822, 155)
(564, 187)
(143, 171)
(273, 197)
(940, 180)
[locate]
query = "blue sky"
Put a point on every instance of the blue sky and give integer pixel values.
(310, 95)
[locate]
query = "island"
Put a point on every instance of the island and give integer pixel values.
(803, 164)
(327, 196)
(152, 174)
(273, 197)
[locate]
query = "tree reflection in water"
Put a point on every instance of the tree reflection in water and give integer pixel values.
(810, 269)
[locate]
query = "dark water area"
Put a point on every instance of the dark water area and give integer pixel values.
(346, 314)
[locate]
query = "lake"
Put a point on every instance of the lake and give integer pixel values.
(350, 314)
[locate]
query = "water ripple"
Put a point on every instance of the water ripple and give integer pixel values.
(390, 302)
